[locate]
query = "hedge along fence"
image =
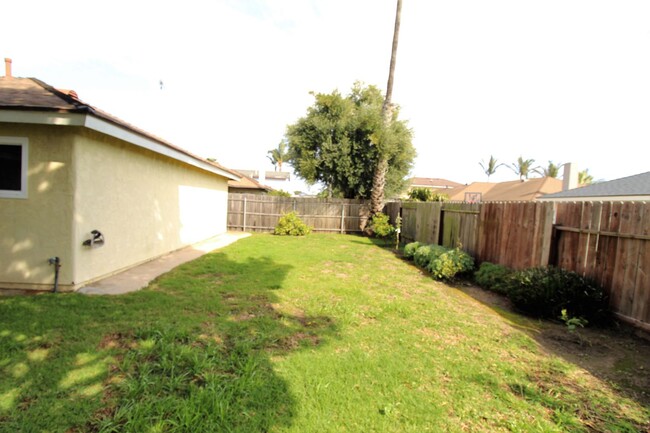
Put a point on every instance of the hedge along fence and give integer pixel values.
(261, 213)
(609, 242)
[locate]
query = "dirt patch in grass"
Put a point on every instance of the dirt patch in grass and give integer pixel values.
(616, 354)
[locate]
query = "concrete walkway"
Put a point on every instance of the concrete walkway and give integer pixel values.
(139, 277)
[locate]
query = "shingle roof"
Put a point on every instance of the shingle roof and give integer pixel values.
(247, 183)
(515, 190)
(638, 184)
(34, 95)
(433, 182)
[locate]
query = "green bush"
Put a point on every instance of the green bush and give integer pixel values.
(545, 292)
(492, 277)
(421, 194)
(291, 225)
(410, 249)
(443, 263)
(422, 255)
(380, 226)
(279, 193)
(447, 263)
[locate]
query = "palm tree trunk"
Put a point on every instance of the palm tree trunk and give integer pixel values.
(379, 177)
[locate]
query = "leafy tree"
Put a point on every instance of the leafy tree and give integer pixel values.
(491, 167)
(336, 143)
(421, 194)
(553, 170)
(388, 143)
(584, 178)
(523, 167)
(279, 193)
(278, 155)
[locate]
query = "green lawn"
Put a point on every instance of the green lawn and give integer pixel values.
(324, 333)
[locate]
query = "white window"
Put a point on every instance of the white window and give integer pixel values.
(13, 167)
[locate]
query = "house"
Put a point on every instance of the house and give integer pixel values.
(630, 188)
(84, 195)
(432, 183)
(516, 190)
(247, 185)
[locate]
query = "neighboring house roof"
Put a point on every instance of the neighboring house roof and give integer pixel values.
(247, 183)
(637, 186)
(516, 190)
(433, 182)
(28, 100)
(267, 175)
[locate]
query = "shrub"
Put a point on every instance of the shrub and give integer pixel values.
(447, 263)
(290, 224)
(380, 226)
(422, 255)
(545, 292)
(409, 249)
(443, 263)
(420, 194)
(492, 277)
(279, 193)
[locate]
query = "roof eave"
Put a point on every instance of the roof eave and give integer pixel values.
(91, 120)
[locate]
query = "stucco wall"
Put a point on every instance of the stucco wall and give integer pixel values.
(40, 226)
(144, 204)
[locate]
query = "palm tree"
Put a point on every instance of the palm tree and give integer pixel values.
(379, 177)
(584, 178)
(553, 170)
(279, 155)
(491, 167)
(523, 167)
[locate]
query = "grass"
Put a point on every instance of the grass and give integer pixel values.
(279, 334)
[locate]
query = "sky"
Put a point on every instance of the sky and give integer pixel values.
(553, 80)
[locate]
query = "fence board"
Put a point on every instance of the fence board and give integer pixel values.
(260, 213)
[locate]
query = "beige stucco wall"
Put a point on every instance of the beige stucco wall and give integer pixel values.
(143, 203)
(39, 227)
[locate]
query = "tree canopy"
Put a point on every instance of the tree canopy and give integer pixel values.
(337, 143)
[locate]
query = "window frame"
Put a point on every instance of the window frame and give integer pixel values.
(23, 142)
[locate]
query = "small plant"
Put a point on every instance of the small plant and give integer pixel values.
(291, 225)
(410, 249)
(545, 292)
(443, 263)
(380, 226)
(572, 323)
(422, 255)
(448, 263)
(492, 277)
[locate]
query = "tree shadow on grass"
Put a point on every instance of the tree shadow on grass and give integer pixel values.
(194, 352)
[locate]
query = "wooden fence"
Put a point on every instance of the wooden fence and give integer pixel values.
(609, 242)
(260, 213)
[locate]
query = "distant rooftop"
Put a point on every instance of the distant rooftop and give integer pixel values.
(515, 190)
(433, 182)
(636, 185)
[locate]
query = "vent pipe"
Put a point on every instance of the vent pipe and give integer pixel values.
(570, 178)
(8, 67)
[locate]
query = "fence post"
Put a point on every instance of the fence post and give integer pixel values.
(244, 213)
(342, 217)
